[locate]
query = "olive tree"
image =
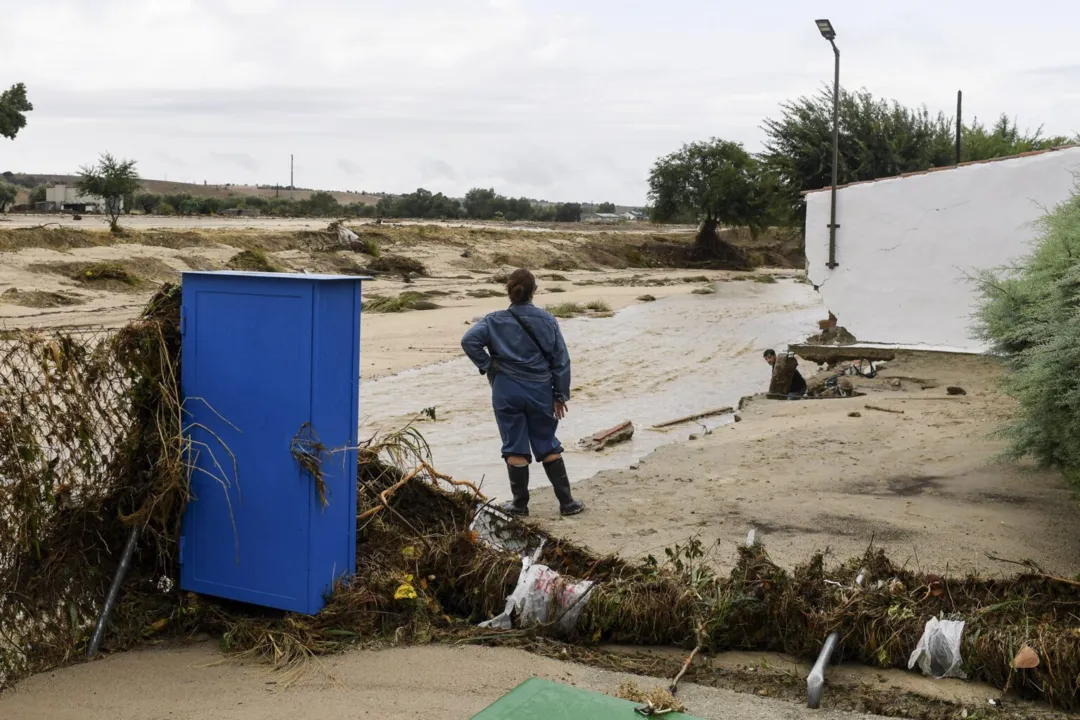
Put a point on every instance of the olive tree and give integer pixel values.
(111, 180)
(8, 193)
(715, 183)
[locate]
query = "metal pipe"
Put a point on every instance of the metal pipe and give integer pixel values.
(114, 590)
(835, 156)
(815, 681)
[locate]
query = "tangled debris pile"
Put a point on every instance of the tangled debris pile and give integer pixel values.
(91, 444)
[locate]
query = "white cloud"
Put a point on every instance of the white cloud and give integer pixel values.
(567, 100)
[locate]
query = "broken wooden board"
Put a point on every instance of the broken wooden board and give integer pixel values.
(696, 416)
(835, 354)
(612, 436)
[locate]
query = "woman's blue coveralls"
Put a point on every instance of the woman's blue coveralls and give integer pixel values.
(526, 380)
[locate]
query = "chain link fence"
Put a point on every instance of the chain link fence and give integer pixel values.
(83, 424)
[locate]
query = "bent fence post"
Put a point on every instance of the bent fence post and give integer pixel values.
(114, 590)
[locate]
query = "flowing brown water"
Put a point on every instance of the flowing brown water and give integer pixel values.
(648, 364)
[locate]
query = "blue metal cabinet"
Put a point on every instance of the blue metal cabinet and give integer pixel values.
(263, 356)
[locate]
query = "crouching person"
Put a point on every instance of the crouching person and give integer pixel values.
(522, 352)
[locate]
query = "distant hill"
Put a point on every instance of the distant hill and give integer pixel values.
(164, 187)
(28, 181)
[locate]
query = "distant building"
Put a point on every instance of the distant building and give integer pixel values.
(66, 197)
(633, 215)
(604, 218)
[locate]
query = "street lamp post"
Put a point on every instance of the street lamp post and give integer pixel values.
(829, 34)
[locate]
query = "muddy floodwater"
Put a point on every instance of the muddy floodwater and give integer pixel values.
(650, 363)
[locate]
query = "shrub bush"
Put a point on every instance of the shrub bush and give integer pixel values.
(1029, 316)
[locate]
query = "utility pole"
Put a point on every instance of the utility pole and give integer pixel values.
(829, 34)
(959, 126)
(292, 186)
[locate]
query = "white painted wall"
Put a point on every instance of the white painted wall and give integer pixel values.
(906, 246)
(67, 194)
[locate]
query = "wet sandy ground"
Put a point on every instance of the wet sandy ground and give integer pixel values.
(925, 484)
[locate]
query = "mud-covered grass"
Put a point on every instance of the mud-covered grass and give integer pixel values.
(481, 293)
(254, 261)
(399, 303)
(40, 298)
(130, 275)
(566, 310)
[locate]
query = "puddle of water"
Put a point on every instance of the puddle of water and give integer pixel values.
(650, 363)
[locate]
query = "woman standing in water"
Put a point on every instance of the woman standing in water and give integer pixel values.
(522, 352)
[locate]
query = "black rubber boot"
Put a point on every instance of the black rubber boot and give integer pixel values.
(556, 472)
(519, 486)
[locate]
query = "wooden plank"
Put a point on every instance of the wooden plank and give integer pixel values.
(691, 418)
(835, 354)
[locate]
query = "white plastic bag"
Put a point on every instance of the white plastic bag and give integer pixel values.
(938, 651)
(541, 596)
(497, 529)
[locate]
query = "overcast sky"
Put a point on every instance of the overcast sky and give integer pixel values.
(545, 98)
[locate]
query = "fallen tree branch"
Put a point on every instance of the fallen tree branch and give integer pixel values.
(456, 483)
(685, 667)
(1036, 571)
(884, 410)
(690, 418)
(385, 494)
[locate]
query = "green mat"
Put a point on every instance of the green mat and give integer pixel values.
(538, 699)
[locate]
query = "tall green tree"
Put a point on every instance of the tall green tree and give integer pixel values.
(147, 202)
(13, 108)
(715, 183)
(322, 203)
(481, 204)
(605, 207)
(878, 138)
(568, 212)
(111, 180)
(1004, 137)
(8, 193)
